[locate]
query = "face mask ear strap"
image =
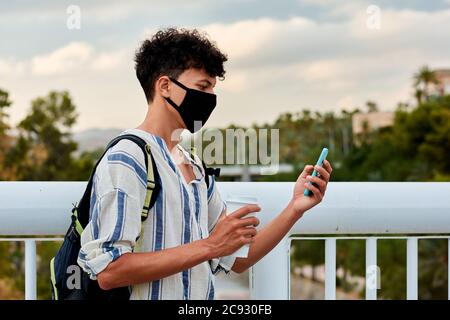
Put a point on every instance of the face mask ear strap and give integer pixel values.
(170, 101)
(179, 83)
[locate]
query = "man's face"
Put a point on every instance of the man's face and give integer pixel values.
(196, 79)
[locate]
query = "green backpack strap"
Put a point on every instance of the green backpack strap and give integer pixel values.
(153, 189)
(153, 186)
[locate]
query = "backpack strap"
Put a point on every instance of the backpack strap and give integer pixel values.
(153, 186)
(209, 171)
(153, 189)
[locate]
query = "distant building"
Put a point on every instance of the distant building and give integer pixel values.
(367, 122)
(443, 85)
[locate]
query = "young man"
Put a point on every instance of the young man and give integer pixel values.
(187, 237)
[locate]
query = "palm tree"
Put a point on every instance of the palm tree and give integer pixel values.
(422, 80)
(418, 94)
(4, 103)
(329, 122)
(371, 106)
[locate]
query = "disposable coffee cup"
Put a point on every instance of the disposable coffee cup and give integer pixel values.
(235, 202)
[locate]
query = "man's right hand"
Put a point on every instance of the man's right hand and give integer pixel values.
(234, 230)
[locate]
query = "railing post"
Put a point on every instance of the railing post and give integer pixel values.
(411, 268)
(269, 278)
(372, 276)
(448, 269)
(30, 270)
(330, 269)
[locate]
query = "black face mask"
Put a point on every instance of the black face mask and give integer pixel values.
(196, 106)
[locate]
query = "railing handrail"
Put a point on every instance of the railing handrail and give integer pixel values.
(43, 208)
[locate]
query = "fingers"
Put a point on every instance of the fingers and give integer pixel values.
(307, 170)
(323, 173)
(249, 221)
(248, 232)
(327, 166)
(247, 240)
(245, 210)
(316, 192)
(320, 182)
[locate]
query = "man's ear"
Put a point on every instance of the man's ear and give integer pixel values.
(162, 86)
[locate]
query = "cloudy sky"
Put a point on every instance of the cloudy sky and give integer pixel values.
(284, 55)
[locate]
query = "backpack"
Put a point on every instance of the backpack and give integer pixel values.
(68, 279)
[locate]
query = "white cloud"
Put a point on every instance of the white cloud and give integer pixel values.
(62, 60)
(11, 67)
(321, 70)
(244, 38)
(236, 81)
(109, 60)
(249, 37)
(73, 58)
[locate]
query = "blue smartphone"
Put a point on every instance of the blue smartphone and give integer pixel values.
(323, 156)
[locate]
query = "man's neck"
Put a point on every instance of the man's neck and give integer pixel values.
(159, 122)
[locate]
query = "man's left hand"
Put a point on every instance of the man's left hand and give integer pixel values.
(301, 203)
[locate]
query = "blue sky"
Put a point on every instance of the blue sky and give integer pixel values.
(283, 55)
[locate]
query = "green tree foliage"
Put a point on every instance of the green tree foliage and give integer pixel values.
(350, 257)
(433, 269)
(308, 252)
(5, 138)
(422, 81)
(372, 106)
(44, 150)
(44, 147)
(4, 103)
(415, 148)
(391, 259)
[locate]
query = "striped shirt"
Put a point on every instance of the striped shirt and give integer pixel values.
(183, 213)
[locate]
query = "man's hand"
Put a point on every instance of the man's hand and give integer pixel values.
(233, 231)
(301, 203)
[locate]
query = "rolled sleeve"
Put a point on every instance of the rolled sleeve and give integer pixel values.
(222, 264)
(113, 234)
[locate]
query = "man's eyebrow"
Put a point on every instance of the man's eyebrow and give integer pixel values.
(205, 80)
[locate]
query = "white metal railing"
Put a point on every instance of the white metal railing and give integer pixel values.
(350, 210)
(372, 277)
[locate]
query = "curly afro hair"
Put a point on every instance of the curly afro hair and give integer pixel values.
(171, 51)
